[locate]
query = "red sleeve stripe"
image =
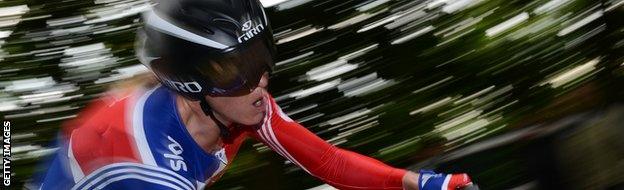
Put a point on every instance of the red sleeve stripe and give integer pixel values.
(269, 136)
(265, 135)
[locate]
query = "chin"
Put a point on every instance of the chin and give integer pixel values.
(254, 120)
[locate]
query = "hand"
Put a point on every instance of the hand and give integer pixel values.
(429, 180)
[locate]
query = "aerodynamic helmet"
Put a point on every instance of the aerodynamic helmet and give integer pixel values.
(206, 47)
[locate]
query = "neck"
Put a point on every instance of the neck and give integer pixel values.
(201, 127)
(192, 115)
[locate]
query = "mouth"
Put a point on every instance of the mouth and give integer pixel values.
(258, 103)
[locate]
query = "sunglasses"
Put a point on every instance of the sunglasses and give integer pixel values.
(197, 72)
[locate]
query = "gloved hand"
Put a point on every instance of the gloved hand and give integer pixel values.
(430, 180)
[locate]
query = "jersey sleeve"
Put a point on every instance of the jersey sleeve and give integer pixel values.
(97, 152)
(62, 170)
(340, 168)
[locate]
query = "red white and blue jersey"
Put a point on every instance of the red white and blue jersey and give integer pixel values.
(138, 141)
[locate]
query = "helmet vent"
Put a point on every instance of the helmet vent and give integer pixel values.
(197, 18)
(228, 25)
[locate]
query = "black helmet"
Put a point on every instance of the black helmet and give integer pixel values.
(206, 47)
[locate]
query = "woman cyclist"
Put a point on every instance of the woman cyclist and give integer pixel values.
(212, 59)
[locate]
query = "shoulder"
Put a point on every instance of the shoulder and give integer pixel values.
(106, 131)
(275, 112)
(126, 134)
(100, 136)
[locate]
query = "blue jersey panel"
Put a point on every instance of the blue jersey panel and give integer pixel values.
(170, 143)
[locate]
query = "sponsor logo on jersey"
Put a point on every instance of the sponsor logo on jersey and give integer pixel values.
(175, 159)
(249, 29)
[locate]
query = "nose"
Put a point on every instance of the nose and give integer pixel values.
(264, 81)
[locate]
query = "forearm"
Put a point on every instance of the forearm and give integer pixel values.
(341, 168)
(344, 169)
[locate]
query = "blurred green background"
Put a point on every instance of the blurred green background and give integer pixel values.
(519, 93)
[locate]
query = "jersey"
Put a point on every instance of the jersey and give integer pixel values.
(138, 141)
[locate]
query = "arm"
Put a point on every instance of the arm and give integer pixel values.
(340, 168)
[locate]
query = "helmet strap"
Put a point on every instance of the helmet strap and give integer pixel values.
(223, 130)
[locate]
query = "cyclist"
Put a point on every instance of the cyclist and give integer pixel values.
(212, 59)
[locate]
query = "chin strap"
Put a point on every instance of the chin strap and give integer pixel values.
(224, 132)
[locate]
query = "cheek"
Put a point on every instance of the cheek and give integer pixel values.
(237, 110)
(246, 114)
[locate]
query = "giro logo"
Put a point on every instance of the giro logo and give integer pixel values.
(192, 86)
(246, 26)
(249, 30)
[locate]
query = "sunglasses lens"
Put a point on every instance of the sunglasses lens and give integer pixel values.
(238, 72)
(251, 82)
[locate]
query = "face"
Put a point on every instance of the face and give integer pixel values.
(246, 109)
